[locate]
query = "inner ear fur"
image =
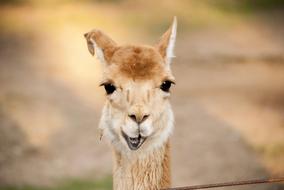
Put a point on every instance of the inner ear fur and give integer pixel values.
(100, 44)
(163, 43)
(166, 43)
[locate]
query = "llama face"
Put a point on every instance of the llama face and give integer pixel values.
(137, 85)
(137, 81)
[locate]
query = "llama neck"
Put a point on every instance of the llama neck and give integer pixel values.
(150, 172)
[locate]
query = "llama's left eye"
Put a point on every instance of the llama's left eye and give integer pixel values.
(110, 88)
(166, 85)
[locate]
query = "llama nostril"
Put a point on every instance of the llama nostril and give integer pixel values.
(144, 118)
(133, 117)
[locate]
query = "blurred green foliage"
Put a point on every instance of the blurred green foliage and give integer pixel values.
(72, 184)
(243, 5)
(14, 2)
(247, 6)
(17, 2)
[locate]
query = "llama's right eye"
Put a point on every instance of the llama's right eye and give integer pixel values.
(166, 85)
(110, 88)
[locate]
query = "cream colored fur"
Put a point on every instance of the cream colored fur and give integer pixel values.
(137, 73)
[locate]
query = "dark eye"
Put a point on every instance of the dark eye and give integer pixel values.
(166, 85)
(110, 88)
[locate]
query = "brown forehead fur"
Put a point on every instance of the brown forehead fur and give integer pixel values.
(138, 62)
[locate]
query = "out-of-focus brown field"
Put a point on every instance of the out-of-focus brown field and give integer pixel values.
(228, 101)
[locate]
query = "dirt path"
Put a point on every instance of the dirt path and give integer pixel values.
(208, 150)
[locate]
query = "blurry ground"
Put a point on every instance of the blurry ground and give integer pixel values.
(228, 101)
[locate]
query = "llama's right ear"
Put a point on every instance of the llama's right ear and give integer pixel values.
(167, 43)
(100, 45)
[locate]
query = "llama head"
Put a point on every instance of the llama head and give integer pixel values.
(137, 81)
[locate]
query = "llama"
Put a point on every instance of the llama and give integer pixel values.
(137, 118)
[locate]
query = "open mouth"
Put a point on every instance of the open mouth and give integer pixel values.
(133, 143)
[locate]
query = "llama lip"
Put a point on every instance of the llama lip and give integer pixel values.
(133, 143)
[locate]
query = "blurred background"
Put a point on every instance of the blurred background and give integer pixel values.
(228, 101)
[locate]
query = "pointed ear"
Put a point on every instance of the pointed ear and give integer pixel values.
(100, 45)
(167, 42)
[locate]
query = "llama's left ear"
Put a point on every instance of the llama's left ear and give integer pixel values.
(100, 45)
(167, 42)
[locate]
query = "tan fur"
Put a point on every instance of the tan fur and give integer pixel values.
(149, 172)
(138, 62)
(166, 178)
(163, 43)
(137, 73)
(106, 43)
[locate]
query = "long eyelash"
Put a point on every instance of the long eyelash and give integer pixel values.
(103, 83)
(171, 81)
(106, 82)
